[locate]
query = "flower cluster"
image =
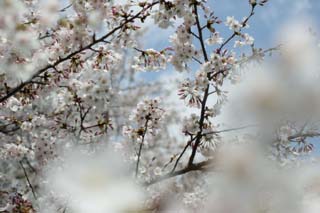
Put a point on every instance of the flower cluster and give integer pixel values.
(169, 10)
(210, 138)
(291, 142)
(233, 24)
(212, 71)
(183, 48)
(214, 39)
(147, 117)
(191, 125)
(190, 93)
(246, 40)
(150, 60)
(68, 86)
(13, 151)
(18, 203)
(106, 60)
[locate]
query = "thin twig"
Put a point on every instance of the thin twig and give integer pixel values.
(141, 144)
(197, 60)
(65, 8)
(236, 33)
(181, 154)
(304, 135)
(202, 166)
(28, 180)
(229, 130)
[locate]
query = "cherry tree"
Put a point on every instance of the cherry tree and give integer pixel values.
(92, 120)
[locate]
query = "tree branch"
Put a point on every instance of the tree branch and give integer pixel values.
(236, 33)
(202, 166)
(206, 92)
(28, 180)
(141, 144)
(69, 56)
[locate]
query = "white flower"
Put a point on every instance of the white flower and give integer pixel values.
(214, 39)
(157, 171)
(150, 60)
(238, 43)
(247, 40)
(189, 93)
(202, 80)
(285, 132)
(191, 124)
(147, 116)
(162, 20)
(14, 104)
(233, 24)
(183, 48)
(26, 126)
(183, 35)
(14, 151)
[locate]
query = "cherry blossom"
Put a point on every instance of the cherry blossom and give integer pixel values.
(157, 106)
(233, 24)
(214, 39)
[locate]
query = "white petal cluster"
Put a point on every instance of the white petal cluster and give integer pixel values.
(214, 39)
(246, 40)
(191, 124)
(147, 117)
(164, 17)
(150, 60)
(233, 24)
(190, 93)
(183, 48)
(14, 151)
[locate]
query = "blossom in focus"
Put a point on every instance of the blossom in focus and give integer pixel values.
(147, 117)
(233, 24)
(189, 93)
(214, 39)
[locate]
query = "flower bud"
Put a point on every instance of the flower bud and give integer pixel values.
(253, 2)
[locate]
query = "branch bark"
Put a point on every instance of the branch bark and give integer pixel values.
(202, 166)
(69, 56)
(141, 145)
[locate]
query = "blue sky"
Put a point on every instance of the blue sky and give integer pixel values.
(269, 18)
(264, 26)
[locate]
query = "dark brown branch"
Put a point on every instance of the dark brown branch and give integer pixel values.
(195, 35)
(65, 8)
(304, 135)
(9, 131)
(181, 154)
(197, 60)
(206, 92)
(28, 180)
(141, 144)
(202, 166)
